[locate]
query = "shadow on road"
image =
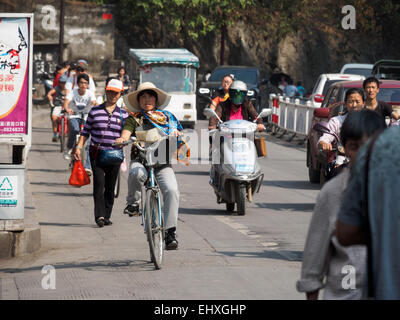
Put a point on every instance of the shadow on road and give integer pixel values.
(92, 266)
(51, 184)
(37, 129)
(193, 173)
(55, 224)
(286, 255)
(292, 184)
(205, 212)
(287, 206)
(50, 170)
(54, 144)
(44, 150)
(64, 194)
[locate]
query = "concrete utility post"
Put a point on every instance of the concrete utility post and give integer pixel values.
(61, 41)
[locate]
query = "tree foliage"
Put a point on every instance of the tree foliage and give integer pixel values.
(190, 18)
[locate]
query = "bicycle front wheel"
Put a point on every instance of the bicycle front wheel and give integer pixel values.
(153, 228)
(62, 134)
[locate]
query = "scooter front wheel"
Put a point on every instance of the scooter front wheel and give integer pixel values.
(241, 200)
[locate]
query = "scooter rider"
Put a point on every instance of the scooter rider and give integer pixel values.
(236, 107)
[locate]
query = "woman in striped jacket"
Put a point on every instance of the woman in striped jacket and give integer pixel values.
(104, 124)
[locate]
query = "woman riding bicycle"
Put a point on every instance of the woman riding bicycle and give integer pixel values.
(147, 104)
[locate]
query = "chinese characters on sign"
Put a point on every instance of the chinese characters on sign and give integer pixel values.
(14, 66)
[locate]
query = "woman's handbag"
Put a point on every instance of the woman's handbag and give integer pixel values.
(110, 157)
(79, 177)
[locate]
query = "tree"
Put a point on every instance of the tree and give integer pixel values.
(189, 19)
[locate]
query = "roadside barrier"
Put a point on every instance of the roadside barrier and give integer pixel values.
(291, 115)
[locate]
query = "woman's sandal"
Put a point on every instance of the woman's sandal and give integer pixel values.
(100, 222)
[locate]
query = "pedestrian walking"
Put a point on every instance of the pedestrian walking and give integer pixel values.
(324, 259)
(370, 212)
(104, 124)
(124, 78)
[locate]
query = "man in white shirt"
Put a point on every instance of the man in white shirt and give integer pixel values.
(78, 100)
(72, 81)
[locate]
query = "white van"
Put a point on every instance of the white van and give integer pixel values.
(363, 69)
(323, 83)
(171, 70)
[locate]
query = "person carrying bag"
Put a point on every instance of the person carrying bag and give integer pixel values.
(104, 124)
(79, 176)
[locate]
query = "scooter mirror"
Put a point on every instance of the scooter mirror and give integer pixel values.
(211, 113)
(208, 112)
(265, 113)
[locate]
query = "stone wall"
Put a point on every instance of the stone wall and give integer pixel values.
(88, 32)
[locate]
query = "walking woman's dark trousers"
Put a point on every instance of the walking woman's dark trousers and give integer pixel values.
(104, 180)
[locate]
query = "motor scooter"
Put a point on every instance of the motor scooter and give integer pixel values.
(334, 161)
(235, 174)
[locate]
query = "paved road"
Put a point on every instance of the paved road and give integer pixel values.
(220, 256)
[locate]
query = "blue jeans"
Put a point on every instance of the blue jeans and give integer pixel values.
(74, 124)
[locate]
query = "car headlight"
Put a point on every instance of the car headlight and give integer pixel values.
(204, 90)
(250, 93)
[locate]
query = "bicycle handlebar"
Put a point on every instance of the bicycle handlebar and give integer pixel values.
(76, 115)
(134, 141)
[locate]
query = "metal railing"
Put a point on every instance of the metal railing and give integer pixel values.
(291, 115)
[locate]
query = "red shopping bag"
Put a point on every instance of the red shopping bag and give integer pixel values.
(78, 177)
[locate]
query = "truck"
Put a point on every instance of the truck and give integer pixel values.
(173, 71)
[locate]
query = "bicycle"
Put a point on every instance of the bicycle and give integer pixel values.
(62, 129)
(151, 208)
(62, 125)
(82, 116)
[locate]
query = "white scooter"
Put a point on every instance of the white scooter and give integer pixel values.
(235, 173)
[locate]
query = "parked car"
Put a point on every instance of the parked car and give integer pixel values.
(362, 69)
(386, 69)
(249, 75)
(324, 81)
(333, 105)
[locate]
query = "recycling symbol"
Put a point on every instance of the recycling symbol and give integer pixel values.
(6, 185)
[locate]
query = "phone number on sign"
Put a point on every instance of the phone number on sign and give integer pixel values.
(15, 129)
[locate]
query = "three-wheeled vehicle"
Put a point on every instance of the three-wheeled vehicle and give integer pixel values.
(171, 70)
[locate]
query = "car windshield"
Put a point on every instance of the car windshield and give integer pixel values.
(385, 94)
(360, 71)
(179, 79)
(328, 84)
(389, 94)
(245, 75)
